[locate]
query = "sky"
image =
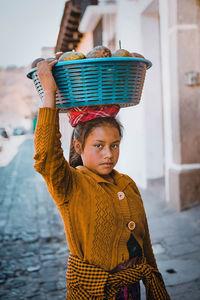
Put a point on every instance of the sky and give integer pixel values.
(26, 27)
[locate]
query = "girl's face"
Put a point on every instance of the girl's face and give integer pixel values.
(101, 151)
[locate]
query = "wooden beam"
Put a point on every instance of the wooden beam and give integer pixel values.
(68, 35)
(71, 41)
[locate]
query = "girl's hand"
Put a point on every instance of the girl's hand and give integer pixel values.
(44, 71)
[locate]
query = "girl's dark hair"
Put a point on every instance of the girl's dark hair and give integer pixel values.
(82, 131)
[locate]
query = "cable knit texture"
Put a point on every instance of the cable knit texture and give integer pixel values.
(94, 217)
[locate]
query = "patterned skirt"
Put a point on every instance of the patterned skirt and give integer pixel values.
(128, 292)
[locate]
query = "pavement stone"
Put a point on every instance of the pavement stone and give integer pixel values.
(29, 263)
(196, 240)
(178, 234)
(179, 271)
(33, 249)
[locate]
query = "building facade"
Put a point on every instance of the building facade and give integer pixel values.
(162, 134)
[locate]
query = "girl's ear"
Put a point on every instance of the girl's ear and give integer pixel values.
(77, 146)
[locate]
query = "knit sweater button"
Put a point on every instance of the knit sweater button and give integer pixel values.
(120, 195)
(131, 225)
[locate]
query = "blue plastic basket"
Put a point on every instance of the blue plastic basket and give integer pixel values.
(96, 81)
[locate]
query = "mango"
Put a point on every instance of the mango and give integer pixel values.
(134, 54)
(37, 60)
(98, 52)
(58, 54)
(121, 53)
(71, 55)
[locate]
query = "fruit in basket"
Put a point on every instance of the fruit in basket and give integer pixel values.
(134, 54)
(49, 58)
(121, 53)
(71, 55)
(58, 54)
(98, 52)
(37, 60)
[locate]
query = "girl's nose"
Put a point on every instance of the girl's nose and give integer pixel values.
(107, 152)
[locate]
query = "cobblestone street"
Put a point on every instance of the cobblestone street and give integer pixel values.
(33, 248)
(34, 252)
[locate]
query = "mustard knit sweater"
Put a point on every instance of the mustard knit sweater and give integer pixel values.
(95, 212)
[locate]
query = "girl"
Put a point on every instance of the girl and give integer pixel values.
(102, 210)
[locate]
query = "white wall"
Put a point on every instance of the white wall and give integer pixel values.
(153, 103)
(132, 152)
(66, 131)
(142, 153)
(132, 156)
(128, 26)
(164, 34)
(108, 36)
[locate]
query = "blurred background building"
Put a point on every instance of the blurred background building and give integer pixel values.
(161, 148)
(18, 101)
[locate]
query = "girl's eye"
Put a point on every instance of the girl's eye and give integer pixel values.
(115, 146)
(99, 146)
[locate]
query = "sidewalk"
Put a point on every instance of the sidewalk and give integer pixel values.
(33, 249)
(176, 242)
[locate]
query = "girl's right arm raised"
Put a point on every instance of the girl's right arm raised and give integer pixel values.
(49, 159)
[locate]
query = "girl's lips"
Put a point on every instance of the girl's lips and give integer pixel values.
(107, 164)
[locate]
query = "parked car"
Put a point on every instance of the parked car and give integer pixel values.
(3, 132)
(19, 130)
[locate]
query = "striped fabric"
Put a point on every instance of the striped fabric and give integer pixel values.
(86, 113)
(86, 281)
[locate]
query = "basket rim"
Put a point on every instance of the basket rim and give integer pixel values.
(95, 60)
